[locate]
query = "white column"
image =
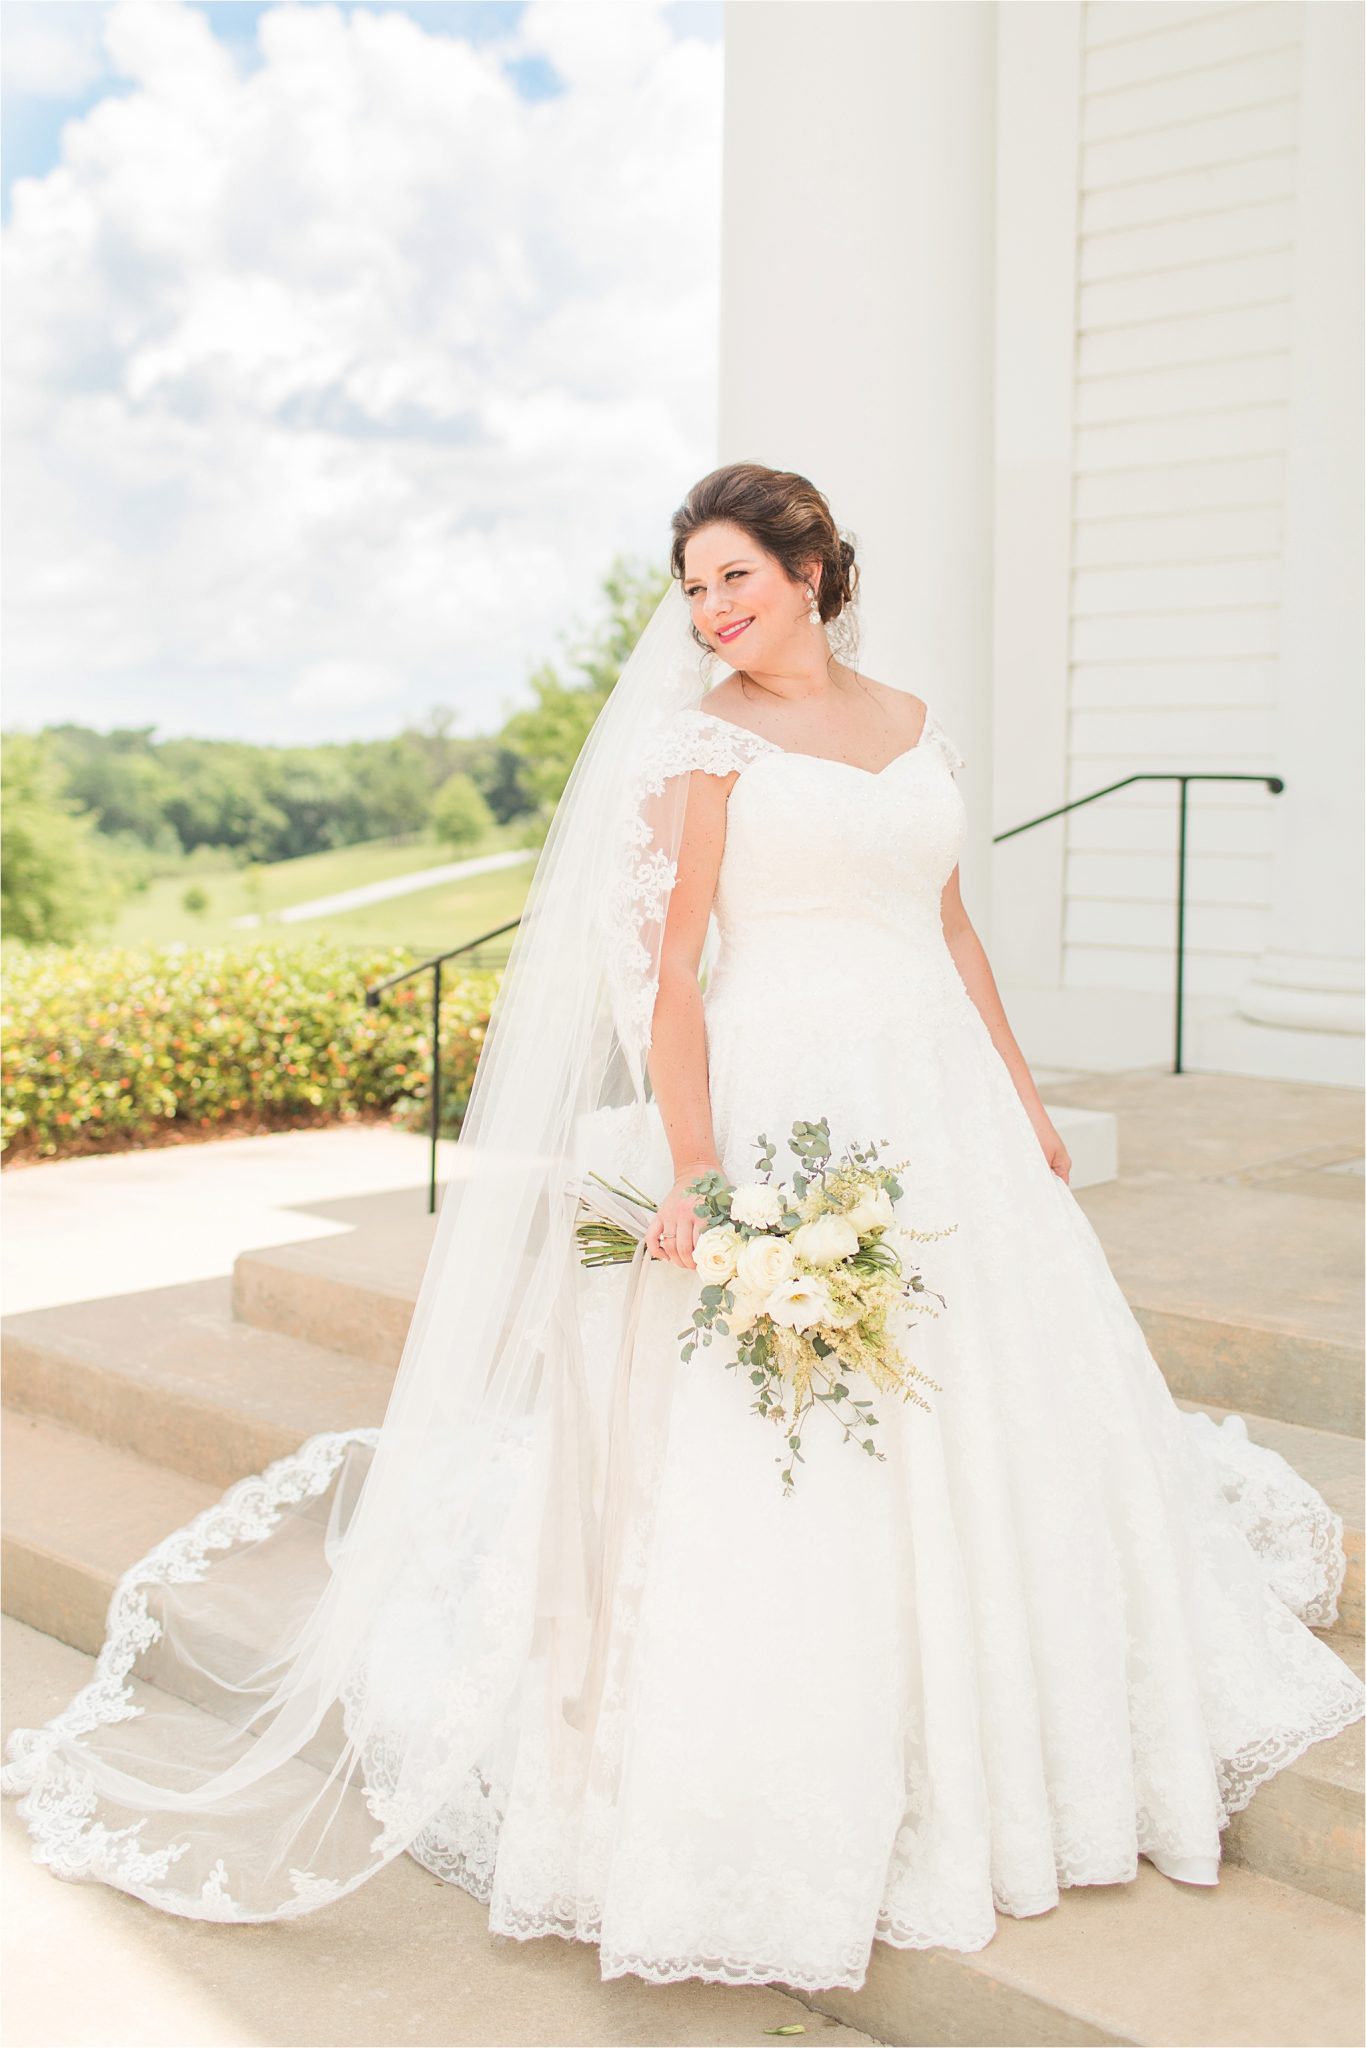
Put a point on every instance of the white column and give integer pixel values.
(1306, 994)
(857, 323)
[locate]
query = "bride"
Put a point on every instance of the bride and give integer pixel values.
(555, 1630)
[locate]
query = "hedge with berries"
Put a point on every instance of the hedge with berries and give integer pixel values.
(109, 1047)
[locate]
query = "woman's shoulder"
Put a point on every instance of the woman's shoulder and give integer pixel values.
(902, 704)
(727, 702)
(693, 739)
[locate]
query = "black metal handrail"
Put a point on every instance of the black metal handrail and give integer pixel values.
(435, 964)
(1272, 782)
(437, 960)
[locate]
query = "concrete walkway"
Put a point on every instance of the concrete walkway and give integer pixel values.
(395, 885)
(120, 1222)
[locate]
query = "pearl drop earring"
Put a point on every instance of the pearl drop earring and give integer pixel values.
(814, 611)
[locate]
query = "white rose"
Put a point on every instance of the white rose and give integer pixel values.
(825, 1241)
(759, 1204)
(715, 1252)
(800, 1303)
(872, 1212)
(749, 1305)
(763, 1262)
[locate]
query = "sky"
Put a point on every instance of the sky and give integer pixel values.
(344, 346)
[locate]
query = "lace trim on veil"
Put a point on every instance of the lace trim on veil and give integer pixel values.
(59, 1797)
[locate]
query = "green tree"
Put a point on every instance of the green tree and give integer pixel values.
(499, 775)
(393, 784)
(459, 816)
(55, 886)
(119, 775)
(549, 733)
(222, 796)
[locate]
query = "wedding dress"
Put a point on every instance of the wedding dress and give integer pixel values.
(1064, 1623)
(1060, 1624)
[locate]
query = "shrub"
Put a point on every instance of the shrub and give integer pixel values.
(109, 1047)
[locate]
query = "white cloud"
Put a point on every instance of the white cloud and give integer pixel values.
(333, 386)
(51, 51)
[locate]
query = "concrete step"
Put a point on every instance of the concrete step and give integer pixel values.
(352, 1293)
(1246, 1961)
(1249, 1299)
(1235, 1313)
(1239, 1964)
(77, 1513)
(1304, 1826)
(175, 1376)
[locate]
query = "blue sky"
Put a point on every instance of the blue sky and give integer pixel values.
(346, 344)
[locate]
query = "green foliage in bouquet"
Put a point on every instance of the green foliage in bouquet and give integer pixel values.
(808, 1276)
(838, 1280)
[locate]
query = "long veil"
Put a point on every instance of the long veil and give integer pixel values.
(294, 1685)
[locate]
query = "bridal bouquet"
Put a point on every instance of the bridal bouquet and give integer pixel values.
(808, 1275)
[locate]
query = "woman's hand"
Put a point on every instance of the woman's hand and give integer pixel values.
(676, 1226)
(1054, 1151)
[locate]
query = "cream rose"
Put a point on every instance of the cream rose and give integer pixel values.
(827, 1240)
(799, 1303)
(715, 1252)
(758, 1203)
(873, 1211)
(749, 1305)
(764, 1262)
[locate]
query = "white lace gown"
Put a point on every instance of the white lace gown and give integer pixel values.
(1065, 1623)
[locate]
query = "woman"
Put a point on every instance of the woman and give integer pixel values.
(556, 1630)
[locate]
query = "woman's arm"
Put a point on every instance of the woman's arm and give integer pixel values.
(970, 958)
(678, 1048)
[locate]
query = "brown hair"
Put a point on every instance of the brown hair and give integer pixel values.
(784, 514)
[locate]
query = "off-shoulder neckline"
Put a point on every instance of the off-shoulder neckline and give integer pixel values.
(796, 754)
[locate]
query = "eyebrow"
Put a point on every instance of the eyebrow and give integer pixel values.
(724, 566)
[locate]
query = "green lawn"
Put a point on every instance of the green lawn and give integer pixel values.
(428, 918)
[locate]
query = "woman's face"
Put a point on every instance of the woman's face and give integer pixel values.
(742, 600)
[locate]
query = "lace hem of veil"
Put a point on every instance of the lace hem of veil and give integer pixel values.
(58, 1797)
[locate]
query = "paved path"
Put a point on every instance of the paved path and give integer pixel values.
(394, 885)
(120, 1222)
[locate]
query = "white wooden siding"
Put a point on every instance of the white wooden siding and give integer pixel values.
(1184, 277)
